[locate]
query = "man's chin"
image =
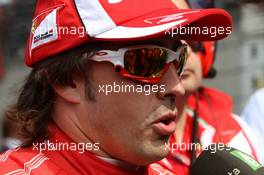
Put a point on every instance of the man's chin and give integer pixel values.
(155, 157)
(160, 150)
(162, 154)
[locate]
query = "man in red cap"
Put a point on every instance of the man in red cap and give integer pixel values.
(206, 117)
(84, 108)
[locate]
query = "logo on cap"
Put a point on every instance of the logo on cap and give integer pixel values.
(33, 28)
(167, 18)
(114, 1)
(44, 28)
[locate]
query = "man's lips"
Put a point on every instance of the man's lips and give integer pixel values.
(165, 125)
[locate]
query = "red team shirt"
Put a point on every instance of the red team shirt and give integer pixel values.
(24, 161)
(224, 127)
(30, 161)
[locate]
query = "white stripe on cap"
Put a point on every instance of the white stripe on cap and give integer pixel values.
(94, 17)
(134, 32)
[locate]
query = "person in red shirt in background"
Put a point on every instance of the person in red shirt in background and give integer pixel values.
(207, 116)
(70, 124)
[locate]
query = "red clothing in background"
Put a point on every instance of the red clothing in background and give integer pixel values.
(216, 124)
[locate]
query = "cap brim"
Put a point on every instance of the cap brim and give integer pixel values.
(191, 24)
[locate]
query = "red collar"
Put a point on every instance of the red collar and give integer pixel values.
(85, 161)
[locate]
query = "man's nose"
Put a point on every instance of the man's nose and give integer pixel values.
(172, 82)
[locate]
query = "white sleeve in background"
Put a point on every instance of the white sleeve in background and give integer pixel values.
(254, 139)
(253, 115)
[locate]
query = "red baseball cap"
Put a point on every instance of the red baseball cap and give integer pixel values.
(60, 25)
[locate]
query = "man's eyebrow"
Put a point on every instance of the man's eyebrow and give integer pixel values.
(176, 45)
(153, 42)
(159, 43)
(173, 46)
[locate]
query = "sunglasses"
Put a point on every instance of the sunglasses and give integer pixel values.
(144, 63)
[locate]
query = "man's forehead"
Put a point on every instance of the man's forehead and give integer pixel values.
(168, 42)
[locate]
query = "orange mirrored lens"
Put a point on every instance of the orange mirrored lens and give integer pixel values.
(145, 62)
(179, 64)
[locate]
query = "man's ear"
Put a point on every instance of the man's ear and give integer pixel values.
(71, 93)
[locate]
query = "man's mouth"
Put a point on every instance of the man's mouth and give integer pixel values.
(165, 125)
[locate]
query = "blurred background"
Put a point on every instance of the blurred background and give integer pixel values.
(239, 58)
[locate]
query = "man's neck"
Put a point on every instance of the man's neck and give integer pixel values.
(119, 163)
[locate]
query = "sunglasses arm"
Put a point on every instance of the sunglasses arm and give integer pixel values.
(109, 56)
(172, 55)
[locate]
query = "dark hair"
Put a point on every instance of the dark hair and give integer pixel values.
(32, 111)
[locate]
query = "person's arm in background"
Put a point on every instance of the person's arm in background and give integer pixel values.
(253, 115)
